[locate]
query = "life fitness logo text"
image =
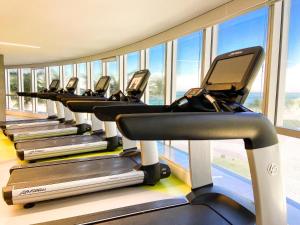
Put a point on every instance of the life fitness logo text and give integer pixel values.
(235, 53)
(272, 169)
(32, 191)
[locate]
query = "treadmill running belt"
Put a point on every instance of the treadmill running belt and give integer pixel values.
(186, 214)
(76, 170)
(33, 129)
(58, 141)
(182, 215)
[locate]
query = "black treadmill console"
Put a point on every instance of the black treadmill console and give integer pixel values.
(226, 85)
(138, 83)
(135, 88)
(102, 85)
(233, 73)
(54, 85)
(72, 84)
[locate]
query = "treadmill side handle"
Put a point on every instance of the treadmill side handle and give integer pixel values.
(255, 129)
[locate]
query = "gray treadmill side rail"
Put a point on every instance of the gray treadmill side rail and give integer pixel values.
(4, 123)
(58, 141)
(52, 174)
(32, 129)
(47, 173)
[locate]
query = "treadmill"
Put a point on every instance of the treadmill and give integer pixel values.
(50, 180)
(51, 119)
(67, 128)
(73, 144)
(208, 203)
(110, 141)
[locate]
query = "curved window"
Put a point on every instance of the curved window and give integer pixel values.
(157, 79)
(247, 30)
(27, 87)
(82, 77)
(40, 77)
(188, 62)
(113, 72)
(53, 73)
(13, 88)
(289, 93)
(96, 72)
(67, 74)
(133, 64)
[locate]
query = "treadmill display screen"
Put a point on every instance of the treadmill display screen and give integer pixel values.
(71, 83)
(228, 71)
(135, 82)
(101, 84)
(54, 84)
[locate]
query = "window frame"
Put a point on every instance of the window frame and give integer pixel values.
(284, 12)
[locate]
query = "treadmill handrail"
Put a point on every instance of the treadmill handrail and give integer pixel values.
(109, 113)
(255, 129)
(88, 106)
(66, 99)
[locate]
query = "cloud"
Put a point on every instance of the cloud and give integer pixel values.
(292, 81)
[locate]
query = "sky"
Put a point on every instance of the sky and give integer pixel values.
(293, 67)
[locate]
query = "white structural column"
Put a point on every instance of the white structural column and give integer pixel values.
(123, 69)
(214, 42)
(60, 110)
(143, 59)
(68, 114)
(2, 90)
(272, 60)
(206, 54)
(80, 118)
(283, 62)
(146, 94)
(110, 129)
(168, 72)
(96, 123)
(149, 153)
(50, 105)
(200, 163)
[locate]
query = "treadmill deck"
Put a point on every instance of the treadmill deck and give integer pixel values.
(54, 173)
(58, 141)
(36, 129)
(3, 123)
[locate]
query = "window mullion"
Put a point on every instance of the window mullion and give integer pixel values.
(283, 62)
(207, 45)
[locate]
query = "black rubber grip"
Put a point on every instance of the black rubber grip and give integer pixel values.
(88, 105)
(255, 129)
(84, 98)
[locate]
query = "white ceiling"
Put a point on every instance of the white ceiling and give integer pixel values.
(68, 29)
